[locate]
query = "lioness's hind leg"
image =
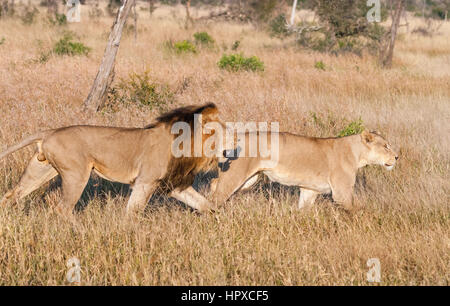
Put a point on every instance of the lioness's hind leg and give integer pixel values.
(36, 174)
(307, 198)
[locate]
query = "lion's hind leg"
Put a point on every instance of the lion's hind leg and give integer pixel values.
(36, 174)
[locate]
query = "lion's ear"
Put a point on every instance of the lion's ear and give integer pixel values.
(210, 113)
(212, 117)
(367, 137)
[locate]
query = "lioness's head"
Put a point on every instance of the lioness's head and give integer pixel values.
(379, 151)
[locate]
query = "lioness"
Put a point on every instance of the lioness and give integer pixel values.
(141, 157)
(316, 165)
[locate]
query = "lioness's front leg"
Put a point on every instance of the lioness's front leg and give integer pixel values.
(342, 190)
(240, 172)
(192, 198)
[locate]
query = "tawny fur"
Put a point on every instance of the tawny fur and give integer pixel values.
(141, 157)
(316, 165)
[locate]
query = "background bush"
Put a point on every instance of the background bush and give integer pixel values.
(203, 38)
(66, 46)
(237, 62)
(140, 90)
(354, 127)
(179, 47)
(278, 26)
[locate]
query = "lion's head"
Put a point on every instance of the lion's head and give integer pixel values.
(182, 170)
(379, 151)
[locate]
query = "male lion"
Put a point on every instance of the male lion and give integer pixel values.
(316, 165)
(141, 157)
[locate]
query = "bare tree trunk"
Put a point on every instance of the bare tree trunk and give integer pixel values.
(188, 14)
(152, 7)
(423, 8)
(405, 16)
(294, 6)
(135, 21)
(12, 9)
(52, 7)
(388, 53)
(105, 73)
(4, 8)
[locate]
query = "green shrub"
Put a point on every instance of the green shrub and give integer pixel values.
(235, 45)
(184, 46)
(237, 62)
(259, 10)
(95, 12)
(325, 124)
(58, 19)
(342, 28)
(435, 9)
(29, 15)
(66, 46)
(351, 45)
(113, 6)
(330, 124)
(278, 26)
(203, 38)
(354, 127)
(319, 65)
(179, 47)
(343, 17)
(2, 41)
(322, 41)
(140, 90)
(438, 13)
(44, 57)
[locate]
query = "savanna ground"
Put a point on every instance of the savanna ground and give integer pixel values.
(259, 237)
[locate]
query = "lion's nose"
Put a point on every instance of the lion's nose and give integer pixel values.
(396, 157)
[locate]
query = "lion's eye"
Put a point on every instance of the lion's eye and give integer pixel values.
(386, 146)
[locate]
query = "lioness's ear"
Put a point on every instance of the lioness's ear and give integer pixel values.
(366, 136)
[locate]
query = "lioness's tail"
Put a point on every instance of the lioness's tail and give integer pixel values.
(26, 142)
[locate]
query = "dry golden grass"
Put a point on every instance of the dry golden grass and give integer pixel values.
(258, 238)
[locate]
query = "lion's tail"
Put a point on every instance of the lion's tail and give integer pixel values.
(38, 137)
